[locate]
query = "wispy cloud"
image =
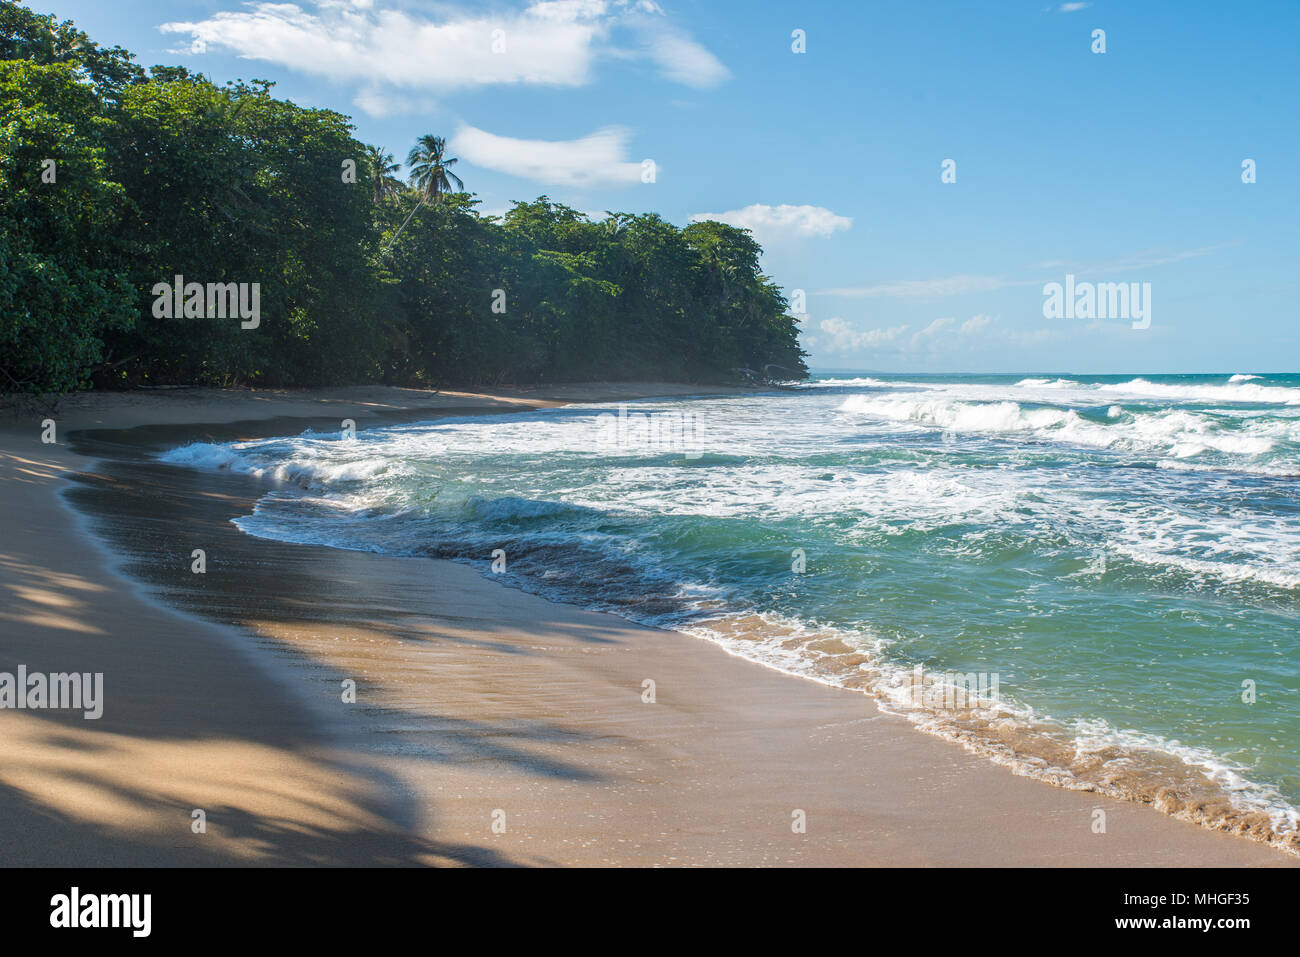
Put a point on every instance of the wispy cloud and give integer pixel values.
(683, 60)
(1150, 258)
(946, 330)
(552, 42)
(1072, 7)
(838, 335)
(922, 288)
(774, 222)
(597, 160)
(966, 283)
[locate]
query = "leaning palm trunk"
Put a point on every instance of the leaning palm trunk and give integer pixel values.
(403, 226)
(431, 175)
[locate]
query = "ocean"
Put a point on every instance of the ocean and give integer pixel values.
(1093, 580)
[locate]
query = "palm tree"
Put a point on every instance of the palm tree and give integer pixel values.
(431, 169)
(725, 272)
(431, 173)
(617, 223)
(382, 167)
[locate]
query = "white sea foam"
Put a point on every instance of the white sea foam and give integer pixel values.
(205, 455)
(1174, 432)
(902, 469)
(866, 382)
(310, 468)
(1094, 735)
(844, 657)
(1236, 392)
(1277, 575)
(1048, 384)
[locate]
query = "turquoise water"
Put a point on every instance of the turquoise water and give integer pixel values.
(1118, 556)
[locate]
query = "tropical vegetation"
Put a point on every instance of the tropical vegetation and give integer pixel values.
(114, 178)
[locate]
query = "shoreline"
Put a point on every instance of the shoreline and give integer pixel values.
(472, 699)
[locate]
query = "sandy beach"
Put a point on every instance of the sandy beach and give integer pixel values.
(490, 726)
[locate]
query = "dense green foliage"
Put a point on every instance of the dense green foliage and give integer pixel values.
(161, 173)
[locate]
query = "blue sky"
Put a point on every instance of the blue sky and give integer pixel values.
(1115, 167)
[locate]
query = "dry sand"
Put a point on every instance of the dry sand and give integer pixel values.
(475, 702)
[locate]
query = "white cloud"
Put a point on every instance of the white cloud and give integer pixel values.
(919, 340)
(945, 330)
(924, 288)
(842, 337)
(684, 61)
(552, 42)
(379, 102)
(1072, 7)
(1150, 258)
(939, 336)
(567, 11)
(393, 47)
(599, 159)
(774, 222)
(966, 283)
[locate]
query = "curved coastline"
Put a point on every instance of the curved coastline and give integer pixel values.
(473, 695)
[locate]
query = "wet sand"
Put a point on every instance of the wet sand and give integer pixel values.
(476, 705)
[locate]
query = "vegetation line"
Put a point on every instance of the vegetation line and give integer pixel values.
(116, 180)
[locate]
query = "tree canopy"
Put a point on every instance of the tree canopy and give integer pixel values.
(114, 179)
